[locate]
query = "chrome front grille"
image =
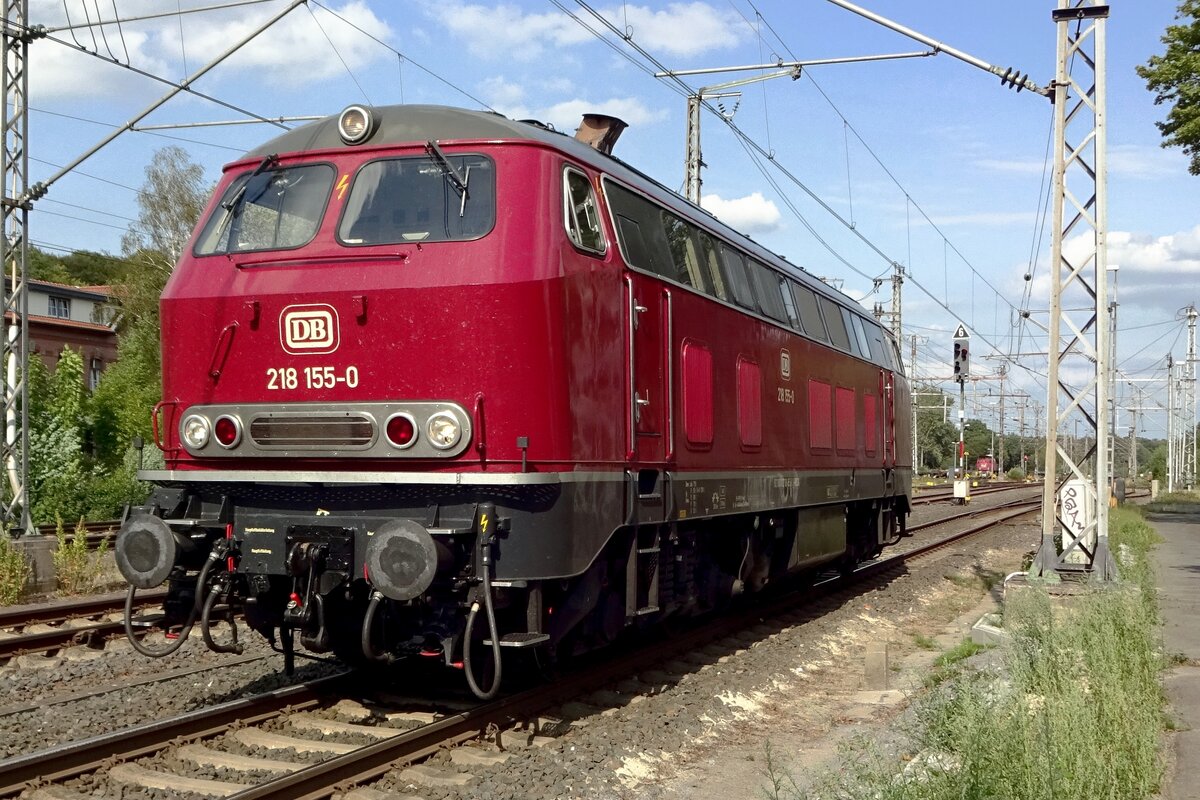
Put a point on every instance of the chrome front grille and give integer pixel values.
(320, 431)
(328, 430)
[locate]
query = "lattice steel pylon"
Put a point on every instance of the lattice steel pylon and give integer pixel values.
(14, 252)
(1188, 406)
(1079, 508)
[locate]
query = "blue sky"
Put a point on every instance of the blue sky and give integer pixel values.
(889, 146)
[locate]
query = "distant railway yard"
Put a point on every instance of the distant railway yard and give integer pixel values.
(807, 667)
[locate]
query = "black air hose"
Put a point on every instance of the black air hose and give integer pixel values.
(186, 631)
(369, 623)
(470, 628)
(206, 628)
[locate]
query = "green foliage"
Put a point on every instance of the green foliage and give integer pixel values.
(56, 429)
(128, 392)
(14, 571)
(1174, 77)
(1157, 464)
(1016, 474)
(77, 568)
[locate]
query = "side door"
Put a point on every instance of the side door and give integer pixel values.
(648, 332)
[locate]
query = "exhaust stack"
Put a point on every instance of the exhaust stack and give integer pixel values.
(600, 131)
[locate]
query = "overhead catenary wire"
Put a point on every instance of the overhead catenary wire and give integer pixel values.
(338, 53)
(157, 134)
(117, 20)
(416, 64)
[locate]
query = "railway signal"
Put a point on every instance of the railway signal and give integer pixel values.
(962, 371)
(962, 355)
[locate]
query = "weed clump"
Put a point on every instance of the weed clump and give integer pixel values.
(14, 571)
(77, 568)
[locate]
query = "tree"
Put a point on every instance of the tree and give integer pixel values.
(169, 203)
(1174, 77)
(56, 423)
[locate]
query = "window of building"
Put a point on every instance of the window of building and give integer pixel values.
(94, 372)
(60, 307)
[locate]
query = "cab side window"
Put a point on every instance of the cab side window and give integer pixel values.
(581, 216)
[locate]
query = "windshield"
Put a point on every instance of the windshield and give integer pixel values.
(268, 210)
(416, 199)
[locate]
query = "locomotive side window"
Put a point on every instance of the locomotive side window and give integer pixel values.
(766, 286)
(272, 209)
(880, 352)
(864, 344)
(739, 283)
(413, 200)
(810, 313)
(683, 251)
(580, 213)
(712, 265)
(833, 320)
(640, 232)
(789, 302)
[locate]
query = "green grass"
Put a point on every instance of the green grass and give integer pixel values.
(924, 642)
(1076, 712)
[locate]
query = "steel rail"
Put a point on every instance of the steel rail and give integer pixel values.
(61, 611)
(67, 761)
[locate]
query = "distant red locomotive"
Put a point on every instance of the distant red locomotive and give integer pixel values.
(985, 466)
(441, 383)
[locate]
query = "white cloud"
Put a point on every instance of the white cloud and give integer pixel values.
(566, 115)
(1157, 275)
(683, 29)
(750, 214)
(504, 31)
(288, 53)
(285, 54)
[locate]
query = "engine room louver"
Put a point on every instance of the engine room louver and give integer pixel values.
(318, 431)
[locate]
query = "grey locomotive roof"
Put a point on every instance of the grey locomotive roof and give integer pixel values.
(420, 123)
(400, 124)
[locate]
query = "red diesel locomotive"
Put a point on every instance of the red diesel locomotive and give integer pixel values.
(441, 383)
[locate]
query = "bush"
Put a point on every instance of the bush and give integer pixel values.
(1016, 474)
(14, 571)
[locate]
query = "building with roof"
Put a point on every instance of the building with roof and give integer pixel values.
(76, 317)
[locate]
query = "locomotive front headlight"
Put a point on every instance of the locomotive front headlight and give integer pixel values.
(195, 430)
(444, 430)
(355, 124)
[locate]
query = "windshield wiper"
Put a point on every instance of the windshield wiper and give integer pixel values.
(236, 198)
(459, 182)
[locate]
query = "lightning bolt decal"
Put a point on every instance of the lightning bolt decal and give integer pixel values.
(342, 183)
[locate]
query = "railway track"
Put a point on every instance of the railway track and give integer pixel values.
(295, 720)
(42, 627)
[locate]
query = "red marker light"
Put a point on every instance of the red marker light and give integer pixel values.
(401, 431)
(227, 431)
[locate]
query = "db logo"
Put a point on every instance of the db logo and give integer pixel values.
(785, 365)
(309, 329)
